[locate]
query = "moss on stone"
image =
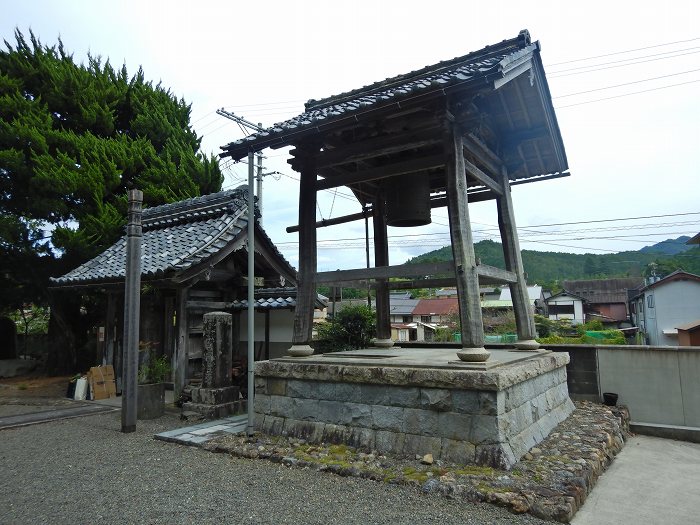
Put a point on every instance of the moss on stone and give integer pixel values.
(475, 470)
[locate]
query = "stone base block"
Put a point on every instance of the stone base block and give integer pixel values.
(488, 417)
(215, 411)
(215, 396)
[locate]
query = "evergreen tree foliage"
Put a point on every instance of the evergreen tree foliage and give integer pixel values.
(73, 139)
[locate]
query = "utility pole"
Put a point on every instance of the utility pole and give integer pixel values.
(132, 307)
(255, 127)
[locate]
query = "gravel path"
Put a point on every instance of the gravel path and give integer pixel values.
(85, 471)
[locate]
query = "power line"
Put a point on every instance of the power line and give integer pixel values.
(623, 52)
(628, 94)
(616, 219)
(627, 83)
(656, 56)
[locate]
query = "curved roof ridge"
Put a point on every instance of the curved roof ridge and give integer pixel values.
(508, 45)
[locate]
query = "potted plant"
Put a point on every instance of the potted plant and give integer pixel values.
(151, 388)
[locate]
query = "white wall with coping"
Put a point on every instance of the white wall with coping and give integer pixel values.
(660, 385)
(674, 303)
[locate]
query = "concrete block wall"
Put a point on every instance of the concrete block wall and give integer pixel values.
(487, 427)
(659, 385)
(582, 371)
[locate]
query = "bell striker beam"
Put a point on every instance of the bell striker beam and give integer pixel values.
(524, 316)
(463, 248)
(306, 291)
(381, 258)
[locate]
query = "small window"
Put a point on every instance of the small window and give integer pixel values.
(407, 318)
(425, 318)
(650, 301)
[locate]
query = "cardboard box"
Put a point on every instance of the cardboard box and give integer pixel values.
(101, 379)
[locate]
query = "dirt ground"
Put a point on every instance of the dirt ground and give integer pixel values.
(34, 387)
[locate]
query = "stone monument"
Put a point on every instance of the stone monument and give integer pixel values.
(216, 397)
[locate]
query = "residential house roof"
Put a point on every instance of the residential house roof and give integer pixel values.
(445, 306)
(534, 293)
(603, 291)
(402, 306)
(180, 238)
(678, 275)
(690, 327)
(567, 293)
(487, 69)
(496, 303)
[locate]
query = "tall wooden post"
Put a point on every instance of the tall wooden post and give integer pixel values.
(524, 316)
(463, 249)
(306, 290)
(381, 258)
(109, 329)
(132, 309)
(180, 360)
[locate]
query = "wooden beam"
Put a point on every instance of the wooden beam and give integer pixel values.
(495, 275)
(338, 220)
(483, 178)
(208, 305)
(483, 155)
(420, 283)
(385, 272)
(382, 172)
(377, 147)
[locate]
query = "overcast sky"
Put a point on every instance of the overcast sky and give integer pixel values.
(630, 155)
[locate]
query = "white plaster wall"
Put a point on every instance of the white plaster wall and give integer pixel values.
(577, 316)
(281, 326)
(659, 385)
(675, 303)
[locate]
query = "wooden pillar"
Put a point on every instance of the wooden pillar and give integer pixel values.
(381, 258)
(463, 249)
(306, 289)
(110, 335)
(180, 360)
(267, 334)
(524, 315)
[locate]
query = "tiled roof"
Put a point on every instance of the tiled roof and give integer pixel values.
(445, 306)
(478, 67)
(266, 304)
(602, 291)
(176, 237)
(279, 298)
(401, 306)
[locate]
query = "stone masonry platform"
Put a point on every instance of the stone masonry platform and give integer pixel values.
(417, 401)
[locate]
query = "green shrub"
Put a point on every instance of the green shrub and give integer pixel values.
(352, 328)
(154, 371)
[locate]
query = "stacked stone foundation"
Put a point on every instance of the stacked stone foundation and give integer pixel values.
(470, 417)
(214, 403)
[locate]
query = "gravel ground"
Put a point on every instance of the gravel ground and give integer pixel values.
(85, 470)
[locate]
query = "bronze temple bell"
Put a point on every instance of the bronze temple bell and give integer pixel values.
(408, 200)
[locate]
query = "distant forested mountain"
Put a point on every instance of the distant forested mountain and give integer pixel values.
(669, 246)
(548, 267)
